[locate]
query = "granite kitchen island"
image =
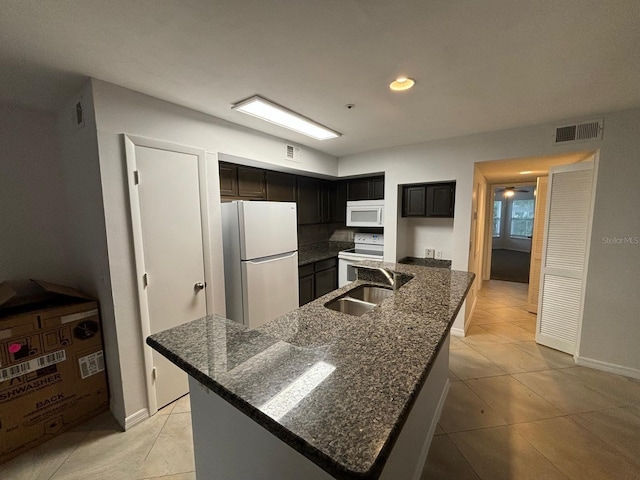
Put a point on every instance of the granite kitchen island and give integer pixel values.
(319, 394)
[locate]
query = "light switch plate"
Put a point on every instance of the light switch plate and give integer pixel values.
(439, 254)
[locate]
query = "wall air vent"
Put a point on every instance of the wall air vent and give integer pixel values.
(577, 132)
(292, 153)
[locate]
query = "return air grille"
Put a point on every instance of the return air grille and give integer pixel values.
(578, 132)
(292, 153)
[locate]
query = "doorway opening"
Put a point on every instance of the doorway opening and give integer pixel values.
(512, 231)
(502, 174)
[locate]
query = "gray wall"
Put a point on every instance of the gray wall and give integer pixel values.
(34, 232)
(611, 323)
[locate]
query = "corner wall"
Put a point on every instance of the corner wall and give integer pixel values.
(79, 151)
(611, 325)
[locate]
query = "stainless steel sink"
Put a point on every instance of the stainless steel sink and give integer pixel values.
(370, 293)
(360, 300)
(350, 306)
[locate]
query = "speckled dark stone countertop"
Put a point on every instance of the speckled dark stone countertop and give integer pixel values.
(314, 252)
(426, 262)
(377, 364)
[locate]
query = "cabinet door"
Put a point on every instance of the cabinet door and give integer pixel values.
(440, 199)
(228, 179)
(306, 289)
(309, 201)
(414, 201)
(250, 182)
(376, 188)
(339, 202)
(281, 187)
(325, 202)
(358, 189)
(326, 281)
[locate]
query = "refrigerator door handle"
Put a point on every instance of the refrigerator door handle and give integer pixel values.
(274, 258)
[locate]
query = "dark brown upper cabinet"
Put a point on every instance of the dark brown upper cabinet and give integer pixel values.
(441, 199)
(309, 200)
(228, 180)
(429, 200)
(251, 182)
(338, 202)
(318, 201)
(414, 201)
(240, 182)
(281, 187)
(370, 188)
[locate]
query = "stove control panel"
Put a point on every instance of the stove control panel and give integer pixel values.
(368, 238)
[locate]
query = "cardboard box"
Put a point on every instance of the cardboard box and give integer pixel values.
(52, 374)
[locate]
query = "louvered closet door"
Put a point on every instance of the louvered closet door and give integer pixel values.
(564, 256)
(536, 244)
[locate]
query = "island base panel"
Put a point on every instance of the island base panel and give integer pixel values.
(228, 445)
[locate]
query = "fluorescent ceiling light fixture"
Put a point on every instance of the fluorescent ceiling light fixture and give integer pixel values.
(258, 107)
(402, 83)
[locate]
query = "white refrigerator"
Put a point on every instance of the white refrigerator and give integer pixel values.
(260, 260)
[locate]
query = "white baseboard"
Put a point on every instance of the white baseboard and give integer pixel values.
(467, 319)
(432, 430)
(458, 332)
(138, 417)
(607, 367)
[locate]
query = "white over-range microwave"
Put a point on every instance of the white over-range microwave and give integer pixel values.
(365, 213)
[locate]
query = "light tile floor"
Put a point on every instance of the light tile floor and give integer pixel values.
(518, 410)
(515, 410)
(160, 448)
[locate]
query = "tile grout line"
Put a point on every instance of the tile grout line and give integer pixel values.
(76, 446)
(155, 440)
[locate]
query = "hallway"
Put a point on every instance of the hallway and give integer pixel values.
(519, 410)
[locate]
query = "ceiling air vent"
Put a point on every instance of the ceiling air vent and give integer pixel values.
(292, 153)
(580, 131)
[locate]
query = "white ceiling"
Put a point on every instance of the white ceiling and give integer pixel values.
(479, 65)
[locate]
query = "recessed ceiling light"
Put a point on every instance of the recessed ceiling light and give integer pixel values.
(526, 172)
(402, 83)
(259, 107)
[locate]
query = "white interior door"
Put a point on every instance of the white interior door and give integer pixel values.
(170, 256)
(537, 242)
(566, 244)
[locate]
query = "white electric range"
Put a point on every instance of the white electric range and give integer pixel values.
(368, 246)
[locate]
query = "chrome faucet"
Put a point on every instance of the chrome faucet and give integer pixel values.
(390, 275)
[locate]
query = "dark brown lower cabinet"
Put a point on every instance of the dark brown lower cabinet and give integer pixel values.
(326, 281)
(306, 288)
(317, 279)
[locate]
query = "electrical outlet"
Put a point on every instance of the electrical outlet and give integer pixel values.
(429, 253)
(439, 254)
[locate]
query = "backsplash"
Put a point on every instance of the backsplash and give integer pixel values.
(335, 232)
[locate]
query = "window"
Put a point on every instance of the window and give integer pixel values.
(522, 218)
(497, 217)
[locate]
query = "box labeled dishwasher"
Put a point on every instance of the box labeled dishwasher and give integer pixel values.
(52, 374)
